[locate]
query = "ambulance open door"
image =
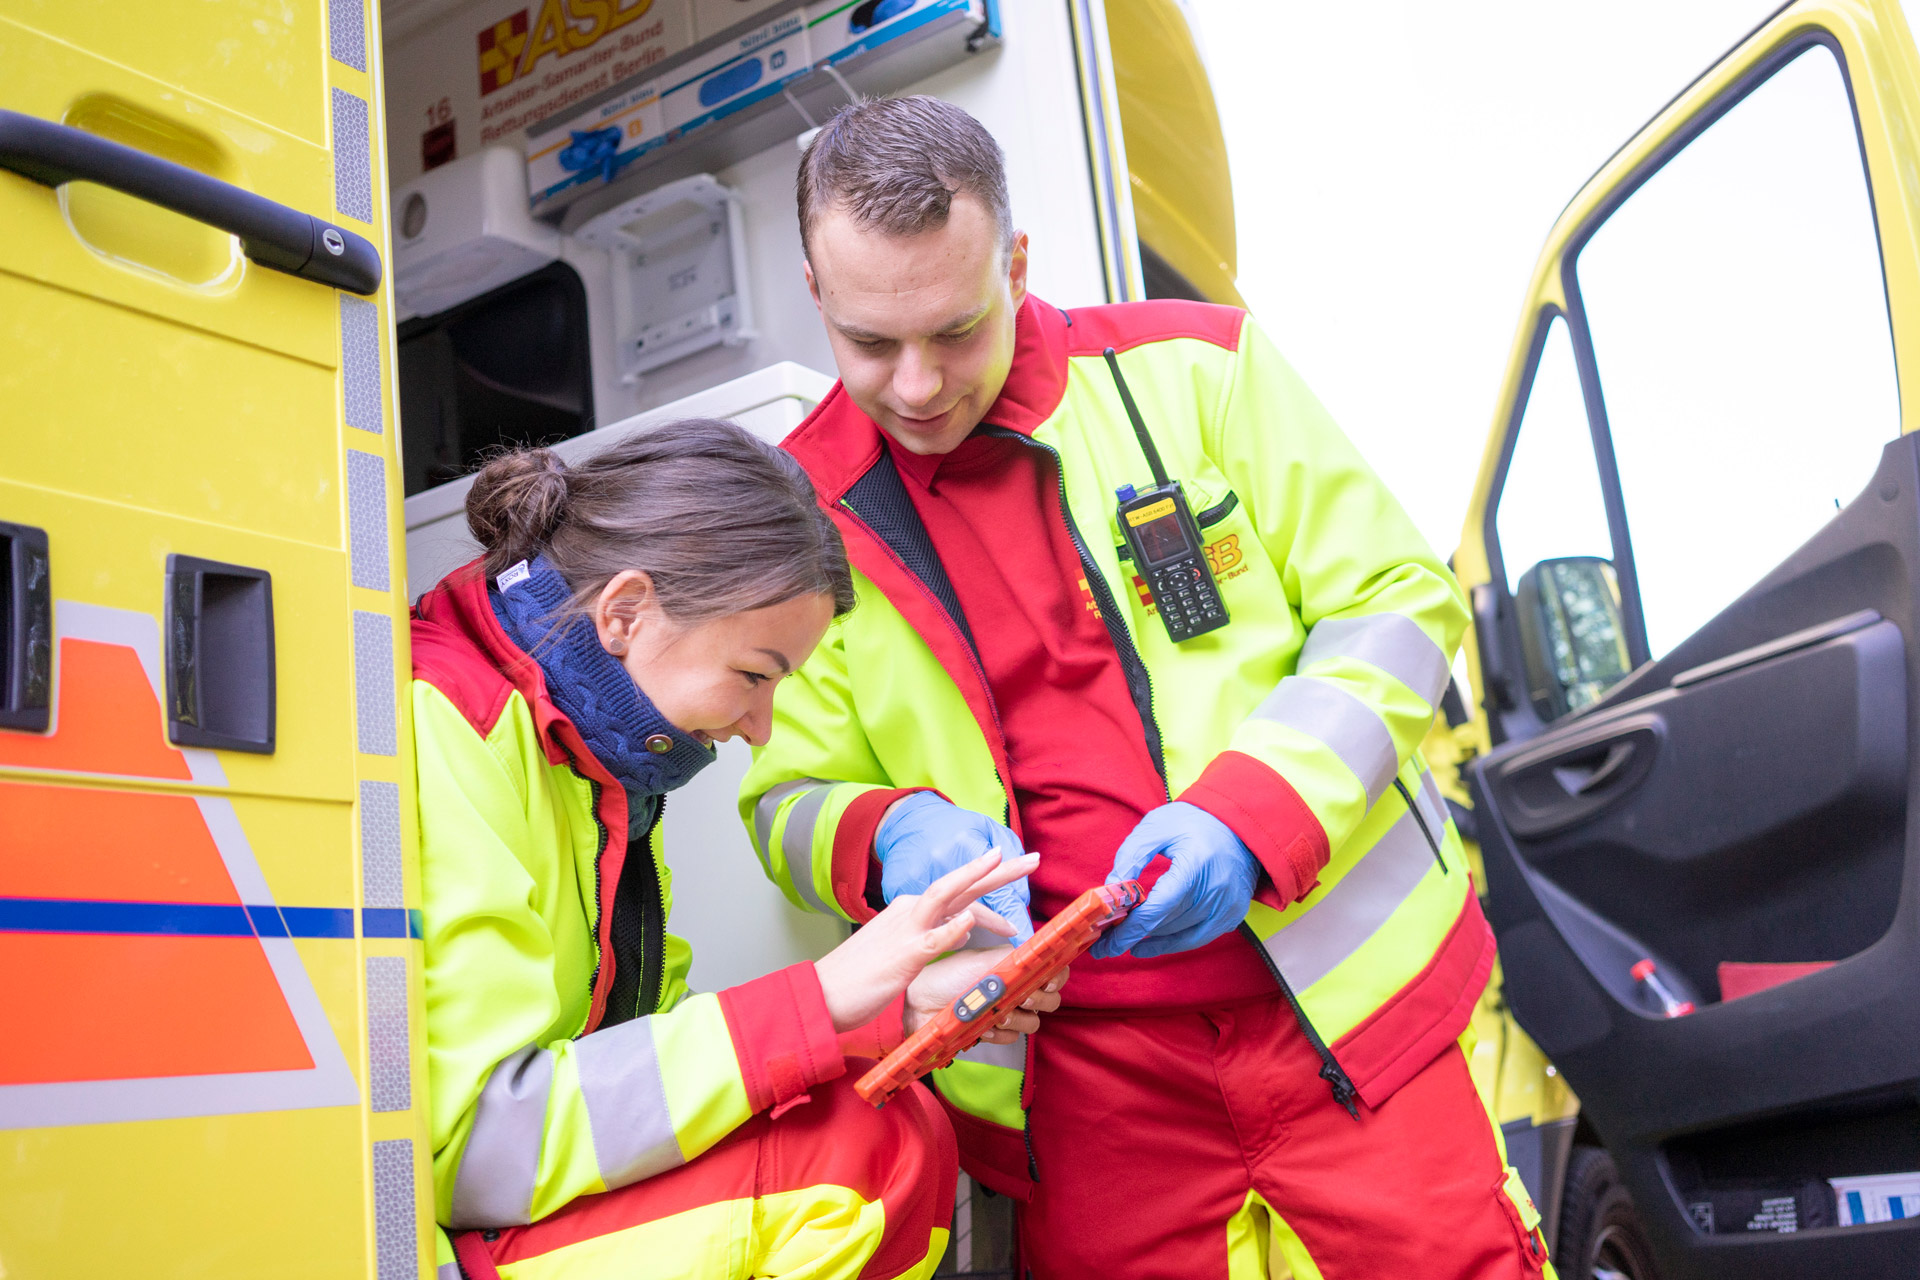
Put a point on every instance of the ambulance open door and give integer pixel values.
(1694, 559)
(210, 1062)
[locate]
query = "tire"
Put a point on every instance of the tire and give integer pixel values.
(1601, 1236)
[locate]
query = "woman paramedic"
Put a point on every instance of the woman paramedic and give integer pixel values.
(590, 1116)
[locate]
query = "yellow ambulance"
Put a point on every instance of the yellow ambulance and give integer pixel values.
(247, 241)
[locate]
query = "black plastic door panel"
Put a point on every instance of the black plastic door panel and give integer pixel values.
(1745, 799)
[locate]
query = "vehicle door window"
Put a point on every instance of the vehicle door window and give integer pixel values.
(1550, 505)
(1738, 320)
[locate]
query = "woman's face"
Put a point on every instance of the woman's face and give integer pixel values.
(713, 680)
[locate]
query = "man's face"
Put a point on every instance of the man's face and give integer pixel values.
(921, 325)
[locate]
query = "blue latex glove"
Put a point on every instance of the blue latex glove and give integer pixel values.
(1201, 896)
(923, 838)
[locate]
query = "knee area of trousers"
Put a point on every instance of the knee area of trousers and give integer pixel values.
(908, 1143)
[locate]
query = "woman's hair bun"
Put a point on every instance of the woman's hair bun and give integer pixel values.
(516, 503)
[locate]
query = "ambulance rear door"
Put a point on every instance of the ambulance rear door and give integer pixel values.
(1694, 558)
(209, 966)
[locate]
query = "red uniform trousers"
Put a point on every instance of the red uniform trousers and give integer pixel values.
(792, 1193)
(1189, 1144)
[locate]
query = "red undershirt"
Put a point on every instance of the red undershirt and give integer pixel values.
(1082, 776)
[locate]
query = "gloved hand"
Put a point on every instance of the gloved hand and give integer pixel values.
(923, 838)
(1201, 896)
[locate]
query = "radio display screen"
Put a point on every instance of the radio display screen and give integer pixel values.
(1160, 539)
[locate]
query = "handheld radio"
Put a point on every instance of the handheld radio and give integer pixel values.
(1165, 540)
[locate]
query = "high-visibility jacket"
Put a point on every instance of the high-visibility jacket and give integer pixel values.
(1296, 724)
(536, 899)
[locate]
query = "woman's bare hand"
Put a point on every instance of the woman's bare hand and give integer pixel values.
(944, 981)
(863, 974)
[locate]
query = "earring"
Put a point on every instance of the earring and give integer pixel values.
(617, 647)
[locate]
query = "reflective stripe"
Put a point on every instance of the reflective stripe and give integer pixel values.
(1392, 642)
(448, 1271)
(626, 1101)
(1349, 727)
(1011, 1056)
(1335, 927)
(797, 843)
(767, 810)
(494, 1185)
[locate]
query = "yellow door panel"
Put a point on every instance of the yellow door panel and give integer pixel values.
(50, 80)
(209, 1038)
(257, 58)
(113, 555)
(84, 1202)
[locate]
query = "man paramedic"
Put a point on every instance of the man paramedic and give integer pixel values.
(1264, 1056)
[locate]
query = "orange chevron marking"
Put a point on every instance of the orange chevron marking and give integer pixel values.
(107, 1007)
(126, 846)
(108, 719)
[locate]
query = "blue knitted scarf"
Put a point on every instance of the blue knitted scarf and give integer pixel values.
(591, 686)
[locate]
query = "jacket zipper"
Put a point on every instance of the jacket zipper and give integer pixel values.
(653, 918)
(1418, 817)
(600, 853)
(1330, 1069)
(652, 914)
(973, 658)
(1130, 659)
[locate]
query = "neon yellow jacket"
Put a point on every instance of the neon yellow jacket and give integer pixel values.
(1296, 725)
(539, 1092)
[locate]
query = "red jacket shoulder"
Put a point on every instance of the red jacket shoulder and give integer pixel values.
(446, 656)
(1122, 325)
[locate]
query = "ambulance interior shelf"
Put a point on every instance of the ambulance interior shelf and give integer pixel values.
(734, 94)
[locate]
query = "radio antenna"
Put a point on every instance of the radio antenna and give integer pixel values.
(1139, 426)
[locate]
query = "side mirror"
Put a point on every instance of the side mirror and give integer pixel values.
(1571, 636)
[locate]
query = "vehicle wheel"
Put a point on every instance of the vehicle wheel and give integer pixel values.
(1601, 1237)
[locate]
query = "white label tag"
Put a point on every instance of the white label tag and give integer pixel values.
(513, 576)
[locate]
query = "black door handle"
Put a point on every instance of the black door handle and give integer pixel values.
(1547, 787)
(220, 667)
(1611, 766)
(26, 629)
(271, 234)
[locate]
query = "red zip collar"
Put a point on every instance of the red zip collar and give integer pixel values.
(461, 649)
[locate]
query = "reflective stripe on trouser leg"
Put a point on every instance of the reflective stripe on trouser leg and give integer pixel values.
(1260, 1245)
(860, 1192)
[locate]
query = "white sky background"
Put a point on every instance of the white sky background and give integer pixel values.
(1396, 168)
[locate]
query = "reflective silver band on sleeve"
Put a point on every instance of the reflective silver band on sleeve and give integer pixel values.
(448, 1271)
(1350, 728)
(1354, 909)
(494, 1185)
(626, 1101)
(766, 809)
(1392, 642)
(797, 843)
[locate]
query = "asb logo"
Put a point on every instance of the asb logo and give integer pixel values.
(511, 47)
(149, 973)
(500, 46)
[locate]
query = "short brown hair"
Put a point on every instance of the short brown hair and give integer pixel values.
(897, 163)
(721, 521)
